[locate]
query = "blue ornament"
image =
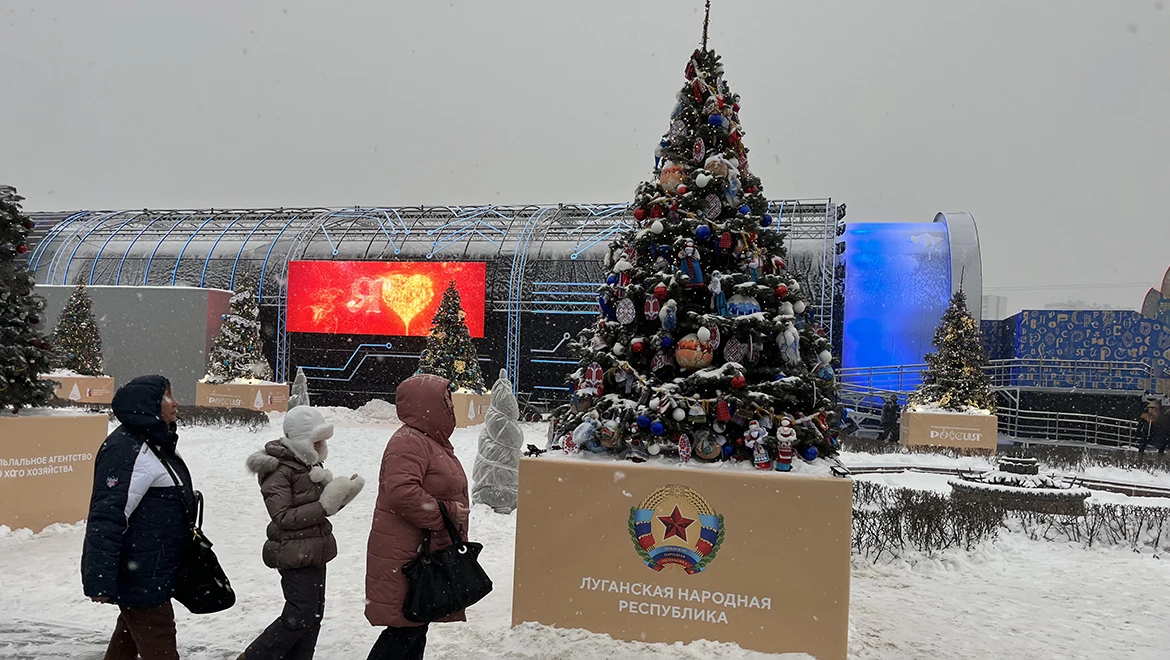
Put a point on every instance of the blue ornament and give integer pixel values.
(703, 232)
(745, 209)
(779, 376)
(728, 450)
(766, 221)
(643, 421)
(658, 428)
(667, 342)
(715, 120)
(809, 453)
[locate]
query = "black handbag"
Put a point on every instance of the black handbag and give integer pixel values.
(201, 586)
(442, 583)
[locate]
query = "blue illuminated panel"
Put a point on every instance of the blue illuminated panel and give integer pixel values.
(897, 286)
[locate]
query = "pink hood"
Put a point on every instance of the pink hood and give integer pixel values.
(424, 404)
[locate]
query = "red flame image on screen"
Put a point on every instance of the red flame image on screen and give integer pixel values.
(380, 298)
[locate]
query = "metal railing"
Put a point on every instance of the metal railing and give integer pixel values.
(1067, 428)
(864, 390)
(1022, 373)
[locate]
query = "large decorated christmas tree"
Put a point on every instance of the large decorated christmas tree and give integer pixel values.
(238, 353)
(449, 352)
(77, 342)
(24, 353)
(704, 347)
(954, 378)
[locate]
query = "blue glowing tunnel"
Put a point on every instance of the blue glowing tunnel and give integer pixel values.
(899, 277)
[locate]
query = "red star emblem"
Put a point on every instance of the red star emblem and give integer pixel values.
(676, 524)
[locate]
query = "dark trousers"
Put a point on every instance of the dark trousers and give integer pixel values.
(293, 635)
(144, 633)
(889, 432)
(400, 644)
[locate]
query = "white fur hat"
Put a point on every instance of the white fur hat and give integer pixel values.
(304, 423)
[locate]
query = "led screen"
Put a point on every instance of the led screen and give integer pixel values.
(897, 286)
(380, 298)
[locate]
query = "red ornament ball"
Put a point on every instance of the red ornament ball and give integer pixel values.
(782, 291)
(639, 213)
(656, 211)
(21, 249)
(739, 382)
(660, 291)
(682, 190)
(735, 107)
(638, 346)
(752, 190)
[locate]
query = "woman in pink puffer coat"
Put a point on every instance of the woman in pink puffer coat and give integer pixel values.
(419, 470)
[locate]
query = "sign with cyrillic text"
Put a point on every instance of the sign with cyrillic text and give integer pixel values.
(957, 430)
(46, 468)
(268, 398)
(666, 554)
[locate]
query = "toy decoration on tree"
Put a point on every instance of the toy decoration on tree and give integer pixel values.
(24, 353)
(300, 391)
(497, 464)
(77, 342)
(238, 352)
(954, 377)
(449, 352)
(722, 349)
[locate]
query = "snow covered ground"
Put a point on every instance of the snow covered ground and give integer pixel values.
(1012, 598)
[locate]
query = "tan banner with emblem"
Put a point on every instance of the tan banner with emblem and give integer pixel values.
(662, 554)
(83, 389)
(269, 398)
(979, 433)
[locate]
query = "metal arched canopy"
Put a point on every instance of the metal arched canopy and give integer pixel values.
(160, 246)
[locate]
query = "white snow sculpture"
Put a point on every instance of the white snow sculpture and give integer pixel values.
(300, 391)
(497, 465)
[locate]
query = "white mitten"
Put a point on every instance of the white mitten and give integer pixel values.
(340, 492)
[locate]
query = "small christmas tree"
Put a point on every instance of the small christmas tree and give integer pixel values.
(954, 378)
(77, 341)
(704, 346)
(300, 391)
(238, 351)
(24, 353)
(449, 352)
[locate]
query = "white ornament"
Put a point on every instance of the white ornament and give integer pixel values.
(618, 349)
(653, 448)
(704, 335)
(798, 306)
(679, 414)
(654, 403)
(786, 309)
(657, 227)
(702, 179)
(825, 357)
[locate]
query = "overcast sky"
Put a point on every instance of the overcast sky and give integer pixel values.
(1049, 120)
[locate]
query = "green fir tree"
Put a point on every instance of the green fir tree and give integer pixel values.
(954, 378)
(449, 352)
(77, 341)
(703, 330)
(238, 351)
(24, 353)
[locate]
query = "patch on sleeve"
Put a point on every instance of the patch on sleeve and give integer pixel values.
(111, 482)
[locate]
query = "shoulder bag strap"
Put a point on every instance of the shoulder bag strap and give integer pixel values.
(198, 517)
(456, 540)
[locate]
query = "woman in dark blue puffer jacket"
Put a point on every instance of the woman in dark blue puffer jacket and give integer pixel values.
(139, 521)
